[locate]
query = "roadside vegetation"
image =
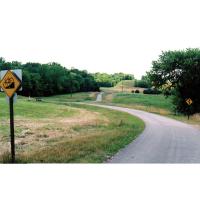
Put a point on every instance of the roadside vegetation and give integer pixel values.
(157, 104)
(63, 132)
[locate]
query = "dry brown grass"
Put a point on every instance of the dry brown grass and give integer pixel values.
(108, 97)
(91, 142)
(36, 133)
(93, 95)
(194, 119)
(4, 145)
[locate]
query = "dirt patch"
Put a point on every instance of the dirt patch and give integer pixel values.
(93, 95)
(108, 97)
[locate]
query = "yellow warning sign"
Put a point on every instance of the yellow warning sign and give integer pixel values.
(10, 83)
(189, 101)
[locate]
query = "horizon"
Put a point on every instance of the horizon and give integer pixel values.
(107, 36)
(67, 67)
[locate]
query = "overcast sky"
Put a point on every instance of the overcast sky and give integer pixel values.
(104, 35)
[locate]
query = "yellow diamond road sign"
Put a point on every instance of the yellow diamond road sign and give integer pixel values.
(189, 101)
(10, 83)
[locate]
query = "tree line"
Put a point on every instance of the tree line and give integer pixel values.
(51, 79)
(110, 80)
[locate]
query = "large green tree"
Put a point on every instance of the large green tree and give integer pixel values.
(179, 71)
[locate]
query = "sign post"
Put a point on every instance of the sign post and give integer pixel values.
(189, 103)
(10, 84)
(12, 130)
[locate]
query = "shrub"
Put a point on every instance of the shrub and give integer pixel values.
(147, 91)
(151, 91)
(137, 91)
(132, 91)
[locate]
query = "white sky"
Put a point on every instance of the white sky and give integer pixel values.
(104, 35)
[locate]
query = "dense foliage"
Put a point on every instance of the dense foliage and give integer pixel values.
(137, 91)
(50, 79)
(179, 71)
(110, 80)
(143, 83)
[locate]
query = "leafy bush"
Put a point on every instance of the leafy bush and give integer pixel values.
(137, 91)
(151, 91)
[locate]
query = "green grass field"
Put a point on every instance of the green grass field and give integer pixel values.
(158, 104)
(148, 101)
(76, 97)
(96, 142)
(60, 133)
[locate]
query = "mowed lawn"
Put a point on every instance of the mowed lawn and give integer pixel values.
(58, 133)
(158, 104)
(151, 103)
(75, 97)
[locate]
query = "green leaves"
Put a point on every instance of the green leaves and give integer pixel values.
(110, 80)
(50, 79)
(179, 71)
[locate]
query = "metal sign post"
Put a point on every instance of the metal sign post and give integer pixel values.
(10, 84)
(12, 131)
(189, 103)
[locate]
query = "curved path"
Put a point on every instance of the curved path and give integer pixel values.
(164, 140)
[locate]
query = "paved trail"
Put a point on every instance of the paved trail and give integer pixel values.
(99, 97)
(164, 140)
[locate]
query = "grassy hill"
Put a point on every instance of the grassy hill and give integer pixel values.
(127, 85)
(151, 103)
(61, 132)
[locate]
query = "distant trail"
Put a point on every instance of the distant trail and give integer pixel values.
(99, 97)
(164, 140)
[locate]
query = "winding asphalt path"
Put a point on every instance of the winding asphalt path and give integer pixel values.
(164, 140)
